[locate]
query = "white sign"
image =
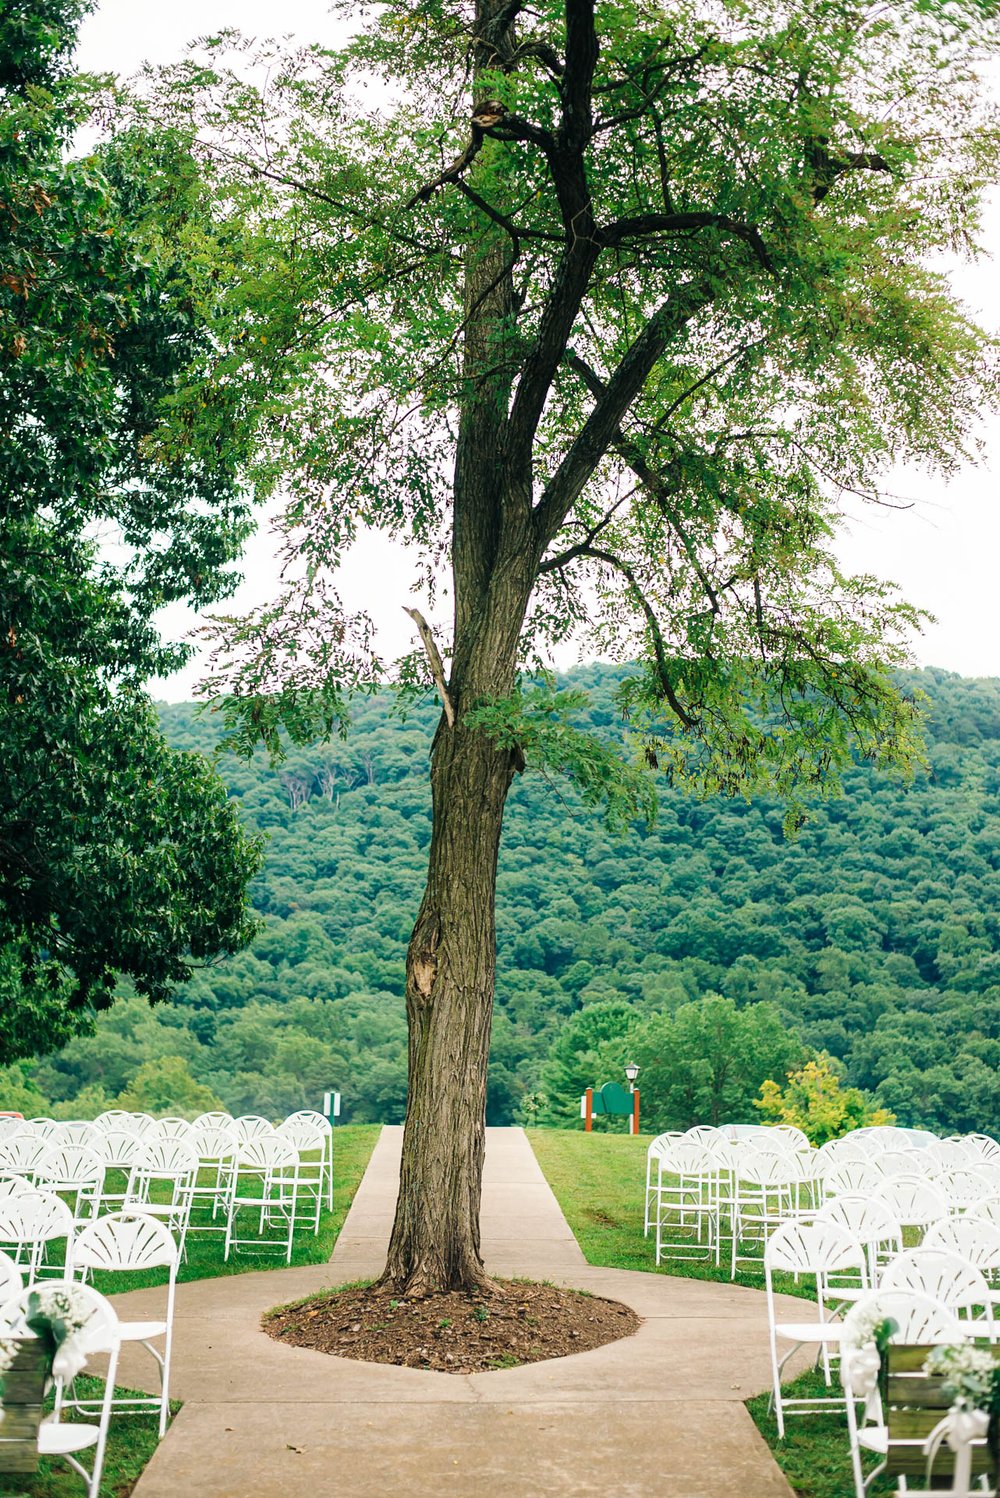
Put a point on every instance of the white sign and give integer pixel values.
(331, 1104)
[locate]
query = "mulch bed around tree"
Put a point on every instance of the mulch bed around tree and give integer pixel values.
(516, 1322)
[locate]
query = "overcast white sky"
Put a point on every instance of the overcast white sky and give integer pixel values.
(944, 553)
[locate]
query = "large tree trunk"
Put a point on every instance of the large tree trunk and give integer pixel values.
(449, 1001)
(451, 961)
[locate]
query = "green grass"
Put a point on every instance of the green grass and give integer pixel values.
(814, 1454)
(131, 1443)
(598, 1180)
(132, 1438)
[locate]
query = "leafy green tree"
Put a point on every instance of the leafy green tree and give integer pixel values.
(615, 331)
(591, 1048)
(706, 1062)
(117, 854)
(167, 1086)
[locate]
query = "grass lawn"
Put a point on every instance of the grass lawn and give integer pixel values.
(131, 1443)
(132, 1438)
(598, 1180)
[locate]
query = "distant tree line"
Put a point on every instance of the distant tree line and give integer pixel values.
(709, 948)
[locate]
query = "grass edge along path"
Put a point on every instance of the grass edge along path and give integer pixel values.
(132, 1436)
(598, 1181)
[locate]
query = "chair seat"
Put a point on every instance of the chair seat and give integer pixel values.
(59, 1440)
(810, 1331)
(141, 1331)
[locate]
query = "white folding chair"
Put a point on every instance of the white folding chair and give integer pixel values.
(767, 1189)
(817, 1249)
(946, 1277)
(72, 1170)
(870, 1223)
(263, 1184)
(985, 1146)
(20, 1154)
(654, 1167)
(975, 1239)
(796, 1138)
(687, 1203)
(837, 1150)
(251, 1126)
(119, 1149)
(98, 1335)
(169, 1128)
(918, 1319)
(319, 1122)
(851, 1178)
(29, 1222)
(79, 1132)
(216, 1147)
(125, 1241)
(309, 1138)
(214, 1120)
(161, 1183)
(914, 1201)
(899, 1163)
(115, 1118)
(964, 1188)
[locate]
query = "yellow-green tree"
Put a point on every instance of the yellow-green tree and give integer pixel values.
(815, 1100)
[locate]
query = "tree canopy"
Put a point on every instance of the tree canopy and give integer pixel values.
(704, 236)
(117, 854)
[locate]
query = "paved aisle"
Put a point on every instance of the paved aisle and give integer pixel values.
(660, 1413)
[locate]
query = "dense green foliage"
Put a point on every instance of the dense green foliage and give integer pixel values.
(117, 853)
(874, 934)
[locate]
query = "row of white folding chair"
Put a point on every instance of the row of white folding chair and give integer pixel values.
(822, 1250)
(120, 1242)
(99, 1335)
(961, 1189)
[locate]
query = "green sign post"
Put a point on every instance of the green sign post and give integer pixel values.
(612, 1101)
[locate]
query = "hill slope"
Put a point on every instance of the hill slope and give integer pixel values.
(877, 931)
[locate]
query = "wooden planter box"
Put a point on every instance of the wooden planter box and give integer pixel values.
(915, 1404)
(23, 1395)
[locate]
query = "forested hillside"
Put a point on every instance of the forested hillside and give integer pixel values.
(875, 933)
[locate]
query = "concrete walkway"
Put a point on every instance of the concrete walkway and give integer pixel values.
(660, 1413)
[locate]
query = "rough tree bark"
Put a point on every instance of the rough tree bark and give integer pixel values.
(498, 539)
(451, 960)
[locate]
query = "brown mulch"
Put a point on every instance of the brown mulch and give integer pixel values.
(516, 1322)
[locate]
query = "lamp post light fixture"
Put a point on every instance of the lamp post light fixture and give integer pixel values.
(631, 1072)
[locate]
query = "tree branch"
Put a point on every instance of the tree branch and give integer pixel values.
(451, 173)
(436, 663)
(644, 225)
(827, 170)
(656, 634)
(599, 431)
